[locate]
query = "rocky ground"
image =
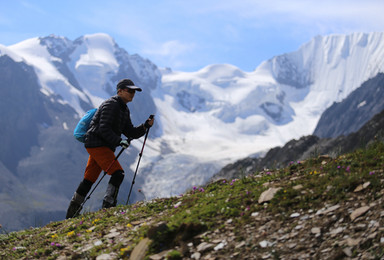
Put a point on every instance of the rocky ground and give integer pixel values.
(349, 230)
(352, 229)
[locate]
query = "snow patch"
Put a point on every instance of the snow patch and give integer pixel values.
(362, 104)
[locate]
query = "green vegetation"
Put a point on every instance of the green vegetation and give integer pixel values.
(304, 185)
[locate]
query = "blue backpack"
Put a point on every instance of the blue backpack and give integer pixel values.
(83, 125)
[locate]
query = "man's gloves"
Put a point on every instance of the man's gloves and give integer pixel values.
(124, 144)
(149, 122)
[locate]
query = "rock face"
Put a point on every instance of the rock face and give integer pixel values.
(23, 110)
(353, 112)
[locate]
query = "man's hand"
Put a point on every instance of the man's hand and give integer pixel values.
(124, 144)
(149, 122)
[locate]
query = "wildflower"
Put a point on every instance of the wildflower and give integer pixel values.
(123, 250)
(129, 225)
(348, 169)
(53, 243)
(201, 190)
(371, 173)
(54, 236)
(224, 181)
(338, 167)
(194, 188)
(95, 221)
(268, 173)
(69, 234)
(88, 231)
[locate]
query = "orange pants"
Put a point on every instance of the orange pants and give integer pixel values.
(100, 158)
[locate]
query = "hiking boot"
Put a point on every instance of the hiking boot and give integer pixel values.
(110, 197)
(107, 205)
(75, 206)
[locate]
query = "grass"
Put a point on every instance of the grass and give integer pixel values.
(304, 185)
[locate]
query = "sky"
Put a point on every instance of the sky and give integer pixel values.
(189, 35)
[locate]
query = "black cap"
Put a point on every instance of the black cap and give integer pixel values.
(127, 83)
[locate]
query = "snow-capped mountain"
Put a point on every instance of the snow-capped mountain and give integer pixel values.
(204, 119)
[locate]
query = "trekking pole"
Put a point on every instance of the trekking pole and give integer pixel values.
(97, 184)
(137, 166)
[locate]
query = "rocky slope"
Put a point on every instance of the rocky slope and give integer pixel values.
(321, 208)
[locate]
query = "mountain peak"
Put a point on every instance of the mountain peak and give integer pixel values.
(57, 46)
(220, 71)
(97, 40)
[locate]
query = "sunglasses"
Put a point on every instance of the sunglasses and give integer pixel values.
(130, 90)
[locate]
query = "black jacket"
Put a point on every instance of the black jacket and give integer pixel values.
(111, 120)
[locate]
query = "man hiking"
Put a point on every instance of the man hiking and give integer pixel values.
(111, 120)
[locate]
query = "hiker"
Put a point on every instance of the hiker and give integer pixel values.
(111, 120)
